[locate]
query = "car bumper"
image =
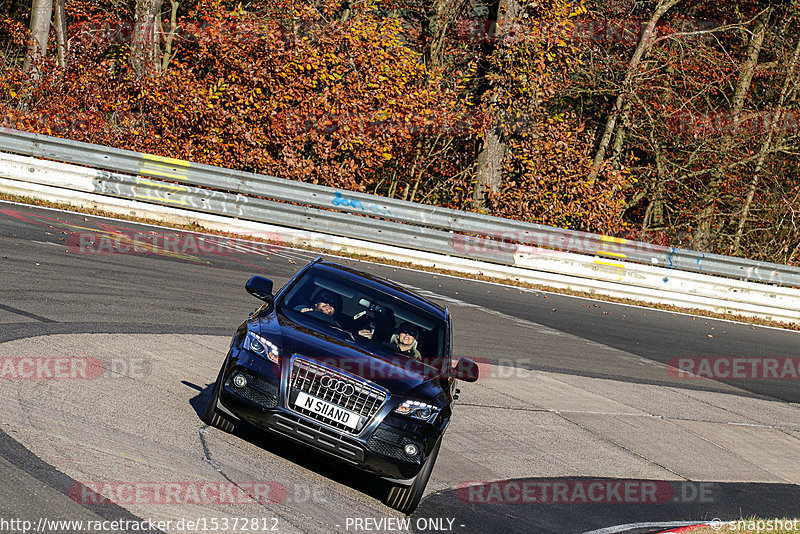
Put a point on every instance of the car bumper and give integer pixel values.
(377, 449)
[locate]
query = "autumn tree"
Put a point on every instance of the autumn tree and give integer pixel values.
(670, 121)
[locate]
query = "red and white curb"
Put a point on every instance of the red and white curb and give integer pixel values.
(674, 526)
(687, 528)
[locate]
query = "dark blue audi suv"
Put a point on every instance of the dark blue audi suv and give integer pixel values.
(350, 364)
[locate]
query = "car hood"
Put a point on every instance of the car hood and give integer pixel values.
(398, 374)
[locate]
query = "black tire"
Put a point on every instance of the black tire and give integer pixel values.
(210, 416)
(406, 498)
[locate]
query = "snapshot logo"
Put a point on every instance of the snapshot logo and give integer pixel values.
(71, 368)
(736, 367)
(756, 525)
(165, 493)
(588, 491)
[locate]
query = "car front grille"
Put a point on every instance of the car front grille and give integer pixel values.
(353, 394)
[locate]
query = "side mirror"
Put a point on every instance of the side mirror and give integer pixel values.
(465, 370)
(259, 287)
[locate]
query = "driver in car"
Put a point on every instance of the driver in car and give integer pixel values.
(326, 302)
(404, 340)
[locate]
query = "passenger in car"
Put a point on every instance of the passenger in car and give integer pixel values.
(404, 340)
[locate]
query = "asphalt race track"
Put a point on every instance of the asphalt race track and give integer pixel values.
(578, 423)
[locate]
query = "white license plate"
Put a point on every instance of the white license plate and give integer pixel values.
(327, 410)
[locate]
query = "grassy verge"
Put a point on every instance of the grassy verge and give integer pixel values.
(194, 227)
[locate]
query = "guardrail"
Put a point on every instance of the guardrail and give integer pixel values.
(172, 182)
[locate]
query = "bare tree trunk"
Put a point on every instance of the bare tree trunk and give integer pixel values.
(774, 125)
(702, 235)
(145, 40)
(490, 159)
(440, 18)
(489, 165)
(173, 28)
(641, 49)
(41, 12)
(619, 134)
(654, 214)
(61, 33)
(749, 65)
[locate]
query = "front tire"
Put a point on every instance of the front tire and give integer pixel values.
(210, 416)
(406, 498)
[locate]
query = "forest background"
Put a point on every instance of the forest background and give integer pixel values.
(668, 121)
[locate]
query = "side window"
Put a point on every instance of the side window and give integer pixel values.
(301, 295)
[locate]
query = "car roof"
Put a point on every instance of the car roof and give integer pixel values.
(382, 284)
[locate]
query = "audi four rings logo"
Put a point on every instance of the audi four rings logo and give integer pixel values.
(339, 386)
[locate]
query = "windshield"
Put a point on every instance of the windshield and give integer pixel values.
(358, 313)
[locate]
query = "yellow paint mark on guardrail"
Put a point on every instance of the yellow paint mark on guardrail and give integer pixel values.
(159, 166)
(157, 171)
(612, 239)
(170, 161)
(610, 264)
(615, 254)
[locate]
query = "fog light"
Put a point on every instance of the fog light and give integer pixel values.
(239, 381)
(411, 449)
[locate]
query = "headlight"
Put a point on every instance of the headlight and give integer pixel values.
(417, 410)
(255, 343)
